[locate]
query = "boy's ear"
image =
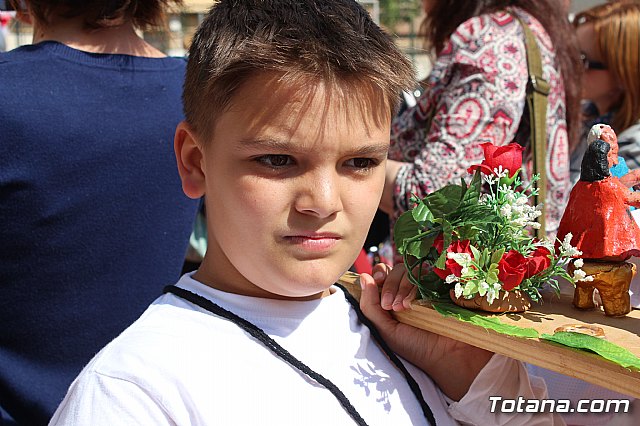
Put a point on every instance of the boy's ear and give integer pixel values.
(189, 157)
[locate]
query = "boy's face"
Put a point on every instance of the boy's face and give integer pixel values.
(292, 181)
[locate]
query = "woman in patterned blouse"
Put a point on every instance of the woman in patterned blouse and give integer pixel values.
(476, 93)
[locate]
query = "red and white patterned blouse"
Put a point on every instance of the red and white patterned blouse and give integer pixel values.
(476, 93)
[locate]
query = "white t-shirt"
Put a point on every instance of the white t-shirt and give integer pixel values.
(181, 365)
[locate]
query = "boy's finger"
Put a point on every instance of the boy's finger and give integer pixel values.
(370, 301)
(380, 272)
(390, 288)
(406, 293)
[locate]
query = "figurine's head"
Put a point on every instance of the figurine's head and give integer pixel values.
(595, 166)
(606, 134)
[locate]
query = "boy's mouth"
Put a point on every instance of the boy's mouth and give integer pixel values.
(314, 241)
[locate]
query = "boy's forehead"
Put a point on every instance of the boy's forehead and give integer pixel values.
(270, 98)
(270, 112)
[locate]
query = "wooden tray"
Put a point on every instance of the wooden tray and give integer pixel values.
(545, 318)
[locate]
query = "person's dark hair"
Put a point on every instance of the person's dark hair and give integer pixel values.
(103, 13)
(445, 16)
(595, 165)
(334, 41)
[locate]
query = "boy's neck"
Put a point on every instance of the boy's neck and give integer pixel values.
(121, 39)
(204, 276)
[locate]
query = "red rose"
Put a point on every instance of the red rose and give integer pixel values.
(451, 266)
(509, 157)
(537, 261)
(511, 269)
(438, 243)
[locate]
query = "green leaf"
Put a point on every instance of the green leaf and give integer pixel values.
(497, 255)
(427, 243)
(473, 191)
(476, 254)
(491, 277)
(484, 257)
(441, 262)
(447, 233)
(605, 349)
(491, 323)
(405, 227)
(470, 288)
(419, 248)
(433, 287)
(444, 201)
(421, 213)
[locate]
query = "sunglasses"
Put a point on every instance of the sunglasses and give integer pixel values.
(591, 65)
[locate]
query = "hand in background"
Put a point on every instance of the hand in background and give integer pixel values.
(453, 365)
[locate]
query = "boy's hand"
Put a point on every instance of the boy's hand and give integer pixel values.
(453, 365)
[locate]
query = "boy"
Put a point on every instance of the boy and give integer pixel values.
(288, 105)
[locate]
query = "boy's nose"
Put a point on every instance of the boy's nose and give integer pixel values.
(319, 195)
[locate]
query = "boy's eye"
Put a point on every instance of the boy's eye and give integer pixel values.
(275, 160)
(362, 163)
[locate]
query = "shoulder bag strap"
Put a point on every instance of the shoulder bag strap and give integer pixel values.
(537, 92)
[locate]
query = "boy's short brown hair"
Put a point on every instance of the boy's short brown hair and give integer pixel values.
(302, 40)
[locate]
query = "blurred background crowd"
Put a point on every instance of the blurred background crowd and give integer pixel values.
(402, 17)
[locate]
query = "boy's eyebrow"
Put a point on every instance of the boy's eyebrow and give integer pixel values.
(373, 149)
(275, 144)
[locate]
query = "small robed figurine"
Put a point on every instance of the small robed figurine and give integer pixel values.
(598, 217)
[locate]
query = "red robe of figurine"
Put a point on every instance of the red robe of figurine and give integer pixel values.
(598, 216)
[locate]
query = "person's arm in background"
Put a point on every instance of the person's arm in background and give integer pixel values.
(472, 100)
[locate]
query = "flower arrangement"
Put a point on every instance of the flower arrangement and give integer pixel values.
(467, 243)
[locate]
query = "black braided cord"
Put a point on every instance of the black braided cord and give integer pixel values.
(283, 354)
(415, 388)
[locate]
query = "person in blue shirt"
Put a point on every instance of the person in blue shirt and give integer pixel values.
(90, 199)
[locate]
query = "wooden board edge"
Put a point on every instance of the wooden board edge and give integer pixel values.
(572, 362)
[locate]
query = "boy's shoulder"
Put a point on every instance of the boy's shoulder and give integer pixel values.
(170, 331)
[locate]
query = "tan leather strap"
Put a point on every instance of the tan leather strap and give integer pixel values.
(537, 92)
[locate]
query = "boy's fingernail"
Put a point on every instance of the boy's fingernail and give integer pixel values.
(387, 299)
(379, 275)
(361, 283)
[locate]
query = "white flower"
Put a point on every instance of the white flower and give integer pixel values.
(521, 200)
(580, 275)
(491, 294)
(500, 172)
(506, 211)
(451, 279)
(519, 209)
(458, 290)
(567, 249)
(483, 287)
(578, 263)
(490, 179)
(520, 222)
